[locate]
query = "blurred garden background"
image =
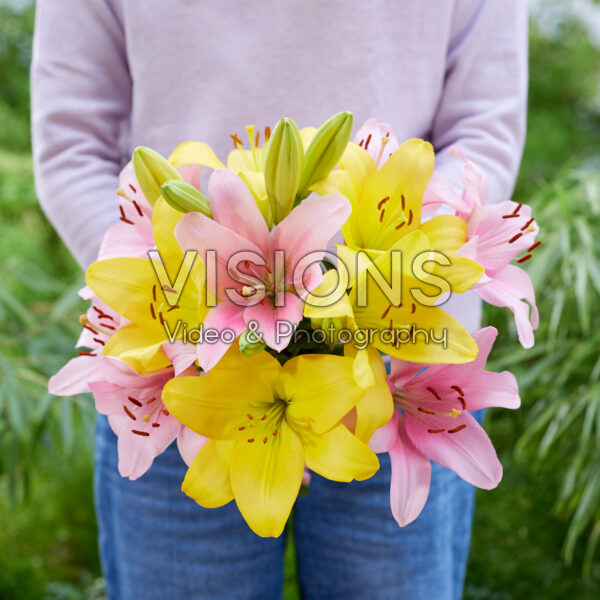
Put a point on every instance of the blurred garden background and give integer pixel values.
(536, 536)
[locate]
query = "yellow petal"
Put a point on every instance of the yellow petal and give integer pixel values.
(125, 284)
(207, 480)
(376, 407)
(195, 153)
(357, 161)
(446, 233)
(338, 455)
(139, 347)
(404, 175)
(328, 301)
(215, 405)
(255, 182)
(320, 390)
(164, 220)
(266, 478)
(307, 134)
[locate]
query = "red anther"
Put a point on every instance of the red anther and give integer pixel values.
(173, 308)
(256, 138)
(241, 428)
(108, 326)
(129, 413)
(391, 324)
(516, 211)
(459, 428)
(137, 207)
(387, 134)
(151, 400)
(250, 416)
(511, 216)
(413, 308)
(426, 410)
(462, 402)
(155, 424)
(87, 354)
(361, 143)
(154, 293)
(527, 224)
(265, 440)
(124, 218)
(368, 141)
(99, 341)
(132, 189)
(401, 225)
(381, 215)
(250, 440)
(526, 257)
(458, 389)
(162, 319)
(403, 200)
(432, 391)
(152, 311)
(263, 417)
(275, 431)
(435, 430)
(532, 248)
(144, 433)
(165, 412)
(382, 202)
(90, 328)
(386, 311)
(514, 238)
(134, 401)
(410, 217)
(102, 315)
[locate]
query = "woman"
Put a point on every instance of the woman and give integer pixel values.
(109, 75)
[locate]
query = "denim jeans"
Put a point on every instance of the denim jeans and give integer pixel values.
(156, 543)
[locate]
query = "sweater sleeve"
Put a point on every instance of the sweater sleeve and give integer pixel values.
(483, 105)
(81, 103)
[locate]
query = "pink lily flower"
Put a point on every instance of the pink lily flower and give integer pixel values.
(99, 323)
(137, 415)
(436, 424)
(496, 235)
(269, 276)
(117, 387)
(371, 137)
(132, 235)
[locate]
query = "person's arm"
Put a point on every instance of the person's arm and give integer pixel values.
(81, 102)
(484, 102)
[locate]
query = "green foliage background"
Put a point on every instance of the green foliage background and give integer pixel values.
(534, 536)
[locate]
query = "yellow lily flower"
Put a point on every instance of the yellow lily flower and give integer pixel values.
(131, 287)
(386, 202)
(247, 163)
(264, 433)
(406, 329)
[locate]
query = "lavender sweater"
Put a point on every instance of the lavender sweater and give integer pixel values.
(108, 75)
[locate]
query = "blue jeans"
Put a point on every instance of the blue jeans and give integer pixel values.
(156, 543)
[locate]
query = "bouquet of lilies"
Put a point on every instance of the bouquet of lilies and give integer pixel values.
(289, 318)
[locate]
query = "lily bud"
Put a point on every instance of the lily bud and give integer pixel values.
(283, 167)
(325, 150)
(152, 171)
(185, 198)
(251, 343)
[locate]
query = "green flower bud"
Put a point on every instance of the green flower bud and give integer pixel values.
(251, 343)
(185, 198)
(283, 166)
(325, 150)
(152, 170)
